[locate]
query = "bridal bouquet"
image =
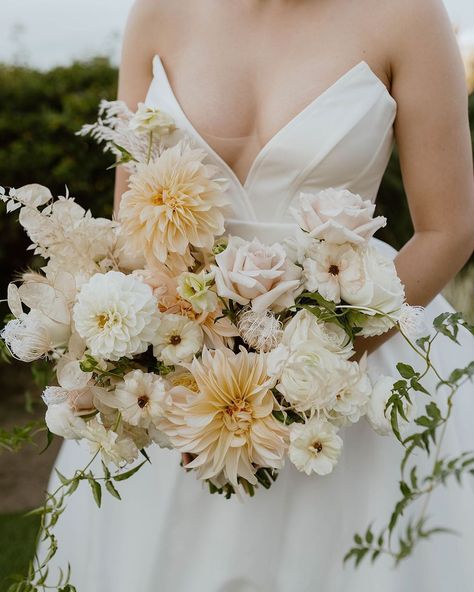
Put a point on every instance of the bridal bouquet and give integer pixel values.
(163, 328)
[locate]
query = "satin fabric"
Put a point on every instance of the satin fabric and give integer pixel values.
(169, 534)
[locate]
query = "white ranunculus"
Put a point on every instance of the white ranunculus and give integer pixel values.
(141, 398)
(276, 360)
(34, 335)
(315, 447)
(81, 401)
(311, 378)
(304, 326)
(252, 272)
(334, 271)
(337, 216)
(381, 289)
(62, 421)
(150, 119)
(116, 315)
(177, 339)
(352, 400)
(195, 289)
(378, 418)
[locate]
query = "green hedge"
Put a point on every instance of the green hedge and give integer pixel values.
(40, 113)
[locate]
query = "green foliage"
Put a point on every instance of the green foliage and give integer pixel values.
(17, 542)
(37, 577)
(428, 433)
(39, 114)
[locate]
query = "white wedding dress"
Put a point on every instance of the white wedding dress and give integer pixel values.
(169, 534)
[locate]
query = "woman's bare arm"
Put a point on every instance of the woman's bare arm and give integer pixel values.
(433, 139)
(135, 70)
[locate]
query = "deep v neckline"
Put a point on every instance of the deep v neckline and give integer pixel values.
(361, 65)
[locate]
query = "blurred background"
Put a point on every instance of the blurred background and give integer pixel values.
(57, 59)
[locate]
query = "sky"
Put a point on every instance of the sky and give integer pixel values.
(45, 33)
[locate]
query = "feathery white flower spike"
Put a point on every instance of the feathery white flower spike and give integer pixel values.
(412, 321)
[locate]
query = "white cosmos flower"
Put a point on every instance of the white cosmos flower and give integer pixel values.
(177, 339)
(334, 271)
(378, 418)
(150, 119)
(34, 335)
(116, 315)
(315, 446)
(141, 398)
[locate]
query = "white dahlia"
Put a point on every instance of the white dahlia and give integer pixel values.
(116, 315)
(315, 446)
(174, 202)
(225, 416)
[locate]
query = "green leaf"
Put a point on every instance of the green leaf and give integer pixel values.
(144, 453)
(96, 490)
(406, 370)
(62, 478)
(111, 489)
(128, 474)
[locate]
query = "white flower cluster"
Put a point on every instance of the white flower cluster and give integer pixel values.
(160, 329)
(340, 264)
(127, 134)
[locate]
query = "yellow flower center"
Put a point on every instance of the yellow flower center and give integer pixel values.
(237, 417)
(102, 320)
(166, 197)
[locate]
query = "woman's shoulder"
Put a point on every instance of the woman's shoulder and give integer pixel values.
(157, 19)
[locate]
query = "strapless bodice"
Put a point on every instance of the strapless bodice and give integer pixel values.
(343, 139)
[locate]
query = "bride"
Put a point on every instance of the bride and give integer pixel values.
(289, 96)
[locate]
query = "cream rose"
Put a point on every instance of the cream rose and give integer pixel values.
(252, 272)
(381, 289)
(337, 216)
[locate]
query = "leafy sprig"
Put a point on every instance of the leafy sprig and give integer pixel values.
(431, 430)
